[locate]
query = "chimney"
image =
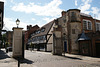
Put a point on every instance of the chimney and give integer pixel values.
(63, 13)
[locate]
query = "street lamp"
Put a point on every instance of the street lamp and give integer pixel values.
(17, 22)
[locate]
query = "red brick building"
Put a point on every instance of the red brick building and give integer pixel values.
(29, 31)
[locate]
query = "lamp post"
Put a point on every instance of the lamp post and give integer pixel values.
(17, 22)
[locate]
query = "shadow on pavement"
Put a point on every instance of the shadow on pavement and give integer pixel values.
(24, 61)
(3, 55)
(72, 57)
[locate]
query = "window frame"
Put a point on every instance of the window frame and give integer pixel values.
(98, 26)
(87, 24)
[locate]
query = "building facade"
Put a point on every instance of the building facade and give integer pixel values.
(83, 35)
(74, 32)
(28, 33)
(9, 36)
(1, 14)
(42, 38)
(1, 19)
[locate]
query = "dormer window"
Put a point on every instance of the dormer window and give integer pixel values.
(38, 31)
(42, 30)
(87, 25)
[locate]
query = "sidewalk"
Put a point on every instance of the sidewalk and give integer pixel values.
(84, 58)
(6, 61)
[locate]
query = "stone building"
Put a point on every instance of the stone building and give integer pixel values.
(82, 34)
(74, 32)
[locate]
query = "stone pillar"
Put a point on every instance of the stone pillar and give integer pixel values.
(17, 42)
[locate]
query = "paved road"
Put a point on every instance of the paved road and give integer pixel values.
(46, 59)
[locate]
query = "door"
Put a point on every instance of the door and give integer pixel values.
(98, 49)
(85, 49)
(65, 46)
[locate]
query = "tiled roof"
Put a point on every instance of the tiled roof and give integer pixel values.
(83, 14)
(47, 28)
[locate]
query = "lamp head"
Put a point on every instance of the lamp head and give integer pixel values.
(17, 22)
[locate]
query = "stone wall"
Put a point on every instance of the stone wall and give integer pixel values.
(74, 31)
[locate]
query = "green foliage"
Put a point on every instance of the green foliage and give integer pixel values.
(4, 37)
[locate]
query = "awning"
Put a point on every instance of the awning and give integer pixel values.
(83, 37)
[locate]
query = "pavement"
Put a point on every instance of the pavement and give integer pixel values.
(6, 61)
(46, 59)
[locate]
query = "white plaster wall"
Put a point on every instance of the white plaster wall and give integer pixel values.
(50, 42)
(49, 47)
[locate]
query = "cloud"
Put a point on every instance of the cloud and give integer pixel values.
(51, 9)
(96, 12)
(85, 6)
(75, 2)
(9, 23)
(48, 19)
(33, 19)
(3, 0)
(39, 23)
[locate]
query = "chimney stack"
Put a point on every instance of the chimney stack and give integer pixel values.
(63, 13)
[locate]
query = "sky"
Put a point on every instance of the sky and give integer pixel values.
(40, 12)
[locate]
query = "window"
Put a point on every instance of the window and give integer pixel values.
(0, 25)
(0, 19)
(73, 31)
(87, 25)
(38, 32)
(42, 30)
(97, 26)
(73, 14)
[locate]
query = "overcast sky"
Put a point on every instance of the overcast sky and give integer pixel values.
(41, 12)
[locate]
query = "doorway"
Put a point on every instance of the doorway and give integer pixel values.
(98, 49)
(65, 46)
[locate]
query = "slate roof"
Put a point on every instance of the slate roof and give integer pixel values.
(47, 28)
(83, 37)
(86, 15)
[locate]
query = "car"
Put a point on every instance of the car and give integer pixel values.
(8, 49)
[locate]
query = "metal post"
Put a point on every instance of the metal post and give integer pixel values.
(18, 63)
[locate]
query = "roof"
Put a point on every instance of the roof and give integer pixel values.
(86, 15)
(73, 9)
(83, 37)
(47, 28)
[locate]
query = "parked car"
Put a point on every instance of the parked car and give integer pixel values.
(8, 49)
